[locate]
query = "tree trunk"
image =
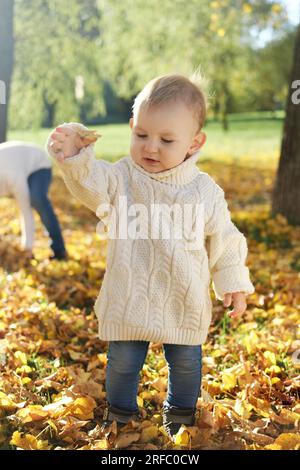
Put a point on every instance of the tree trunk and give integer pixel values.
(286, 195)
(6, 60)
(49, 112)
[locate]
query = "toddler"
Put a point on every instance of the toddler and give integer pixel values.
(156, 286)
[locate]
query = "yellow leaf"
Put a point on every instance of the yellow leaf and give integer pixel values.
(242, 408)
(25, 380)
(24, 370)
(7, 403)
(140, 401)
(32, 413)
(270, 357)
(221, 32)
(248, 327)
(182, 438)
(82, 408)
(161, 365)
(57, 407)
(247, 8)
(28, 442)
(148, 394)
(21, 358)
(279, 308)
(273, 447)
(290, 416)
(250, 341)
(275, 380)
(262, 407)
(102, 358)
(276, 8)
(273, 370)
(100, 445)
(229, 381)
(157, 418)
(213, 388)
(52, 425)
(288, 441)
(218, 353)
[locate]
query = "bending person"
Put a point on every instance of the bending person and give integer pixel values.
(25, 174)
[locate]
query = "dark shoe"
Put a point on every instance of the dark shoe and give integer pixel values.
(60, 255)
(174, 417)
(122, 417)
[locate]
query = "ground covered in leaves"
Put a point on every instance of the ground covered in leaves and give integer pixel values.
(52, 383)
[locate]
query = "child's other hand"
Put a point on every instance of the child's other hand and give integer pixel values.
(239, 303)
(65, 142)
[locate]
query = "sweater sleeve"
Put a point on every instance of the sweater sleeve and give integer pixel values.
(20, 191)
(227, 250)
(89, 180)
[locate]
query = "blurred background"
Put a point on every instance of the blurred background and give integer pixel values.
(85, 60)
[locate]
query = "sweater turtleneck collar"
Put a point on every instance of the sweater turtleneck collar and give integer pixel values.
(181, 174)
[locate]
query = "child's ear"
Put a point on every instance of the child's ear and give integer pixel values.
(131, 122)
(202, 138)
(198, 142)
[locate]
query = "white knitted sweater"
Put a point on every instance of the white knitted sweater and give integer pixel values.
(155, 289)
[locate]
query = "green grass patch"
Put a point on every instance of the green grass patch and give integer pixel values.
(252, 139)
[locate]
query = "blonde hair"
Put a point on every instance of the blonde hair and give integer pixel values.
(173, 87)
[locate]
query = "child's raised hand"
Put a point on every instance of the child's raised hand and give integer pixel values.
(68, 139)
(239, 303)
(65, 142)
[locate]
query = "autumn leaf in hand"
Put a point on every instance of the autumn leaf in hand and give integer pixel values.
(89, 136)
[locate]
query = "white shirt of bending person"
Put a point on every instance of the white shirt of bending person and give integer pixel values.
(18, 160)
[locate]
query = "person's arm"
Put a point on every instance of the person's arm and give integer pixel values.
(227, 250)
(20, 191)
(90, 180)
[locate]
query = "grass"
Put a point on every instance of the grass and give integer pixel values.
(252, 138)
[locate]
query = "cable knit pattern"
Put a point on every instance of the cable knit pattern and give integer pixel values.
(157, 289)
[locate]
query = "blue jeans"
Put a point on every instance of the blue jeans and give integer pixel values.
(125, 359)
(39, 182)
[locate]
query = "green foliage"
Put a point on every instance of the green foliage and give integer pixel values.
(53, 45)
(125, 44)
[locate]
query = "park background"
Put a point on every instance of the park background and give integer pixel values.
(85, 61)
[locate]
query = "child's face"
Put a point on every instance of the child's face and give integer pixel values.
(164, 136)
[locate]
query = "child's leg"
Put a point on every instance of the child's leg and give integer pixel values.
(184, 364)
(125, 359)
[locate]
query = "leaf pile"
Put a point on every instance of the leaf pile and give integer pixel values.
(52, 384)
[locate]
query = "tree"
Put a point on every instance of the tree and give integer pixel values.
(286, 195)
(145, 39)
(126, 44)
(55, 47)
(6, 59)
(269, 72)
